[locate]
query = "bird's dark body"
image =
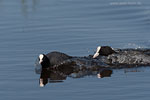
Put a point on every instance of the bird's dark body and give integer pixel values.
(57, 57)
(128, 57)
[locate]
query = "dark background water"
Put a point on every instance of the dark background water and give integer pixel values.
(75, 27)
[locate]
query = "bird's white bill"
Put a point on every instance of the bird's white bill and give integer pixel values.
(41, 83)
(95, 55)
(41, 56)
(98, 75)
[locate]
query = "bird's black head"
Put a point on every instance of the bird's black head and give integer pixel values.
(44, 61)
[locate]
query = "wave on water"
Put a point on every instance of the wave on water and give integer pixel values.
(134, 46)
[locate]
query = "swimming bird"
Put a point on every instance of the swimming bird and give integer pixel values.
(52, 58)
(127, 57)
(59, 61)
(103, 51)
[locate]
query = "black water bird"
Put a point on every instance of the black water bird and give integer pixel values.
(52, 58)
(127, 57)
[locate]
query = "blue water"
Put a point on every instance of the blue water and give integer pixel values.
(75, 27)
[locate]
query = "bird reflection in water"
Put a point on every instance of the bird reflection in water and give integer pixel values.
(104, 73)
(54, 76)
(49, 75)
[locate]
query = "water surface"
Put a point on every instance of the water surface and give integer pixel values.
(75, 27)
